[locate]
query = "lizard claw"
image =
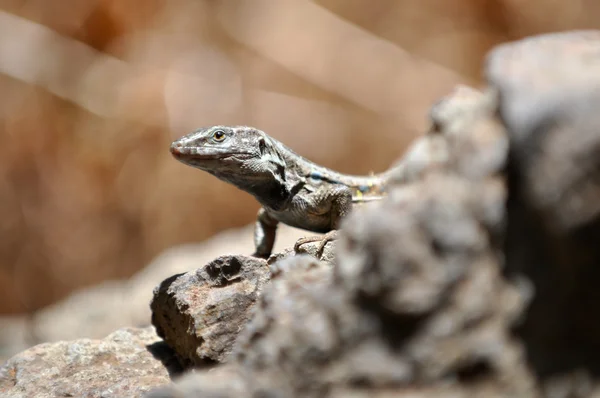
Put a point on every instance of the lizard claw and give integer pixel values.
(328, 237)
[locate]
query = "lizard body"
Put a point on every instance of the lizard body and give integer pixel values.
(290, 188)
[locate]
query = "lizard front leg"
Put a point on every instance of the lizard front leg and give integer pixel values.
(264, 234)
(335, 202)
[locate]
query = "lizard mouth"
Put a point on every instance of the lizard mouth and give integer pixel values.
(198, 154)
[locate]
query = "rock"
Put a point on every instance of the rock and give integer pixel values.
(449, 117)
(465, 136)
(275, 329)
(127, 363)
(221, 382)
(291, 326)
(477, 140)
(424, 265)
(552, 120)
(454, 108)
(96, 311)
(297, 264)
(200, 313)
(424, 154)
(549, 95)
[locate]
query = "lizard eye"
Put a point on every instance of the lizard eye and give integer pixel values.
(218, 135)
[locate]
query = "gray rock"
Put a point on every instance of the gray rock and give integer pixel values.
(127, 363)
(200, 313)
(426, 265)
(424, 154)
(477, 140)
(465, 136)
(549, 95)
(422, 263)
(292, 330)
(551, 116)
(289, 328)
(225, 381)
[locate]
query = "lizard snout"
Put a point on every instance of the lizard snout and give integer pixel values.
(177, 148)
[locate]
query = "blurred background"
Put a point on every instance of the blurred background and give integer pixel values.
(92, 92)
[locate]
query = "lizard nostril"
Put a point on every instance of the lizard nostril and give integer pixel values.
(176, 148)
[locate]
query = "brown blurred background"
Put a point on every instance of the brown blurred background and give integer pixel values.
(93, 91)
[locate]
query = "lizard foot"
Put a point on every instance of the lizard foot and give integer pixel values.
(328, 237)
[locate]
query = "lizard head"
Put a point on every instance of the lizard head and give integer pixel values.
(240, 155)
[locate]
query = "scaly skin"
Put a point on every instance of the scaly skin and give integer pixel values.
(290, 188)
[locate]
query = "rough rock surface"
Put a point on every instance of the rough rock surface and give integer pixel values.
(223, 381)
(200, 313)
(551, 113)
(127, 363)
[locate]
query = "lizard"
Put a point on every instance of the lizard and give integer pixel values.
(290, 188)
